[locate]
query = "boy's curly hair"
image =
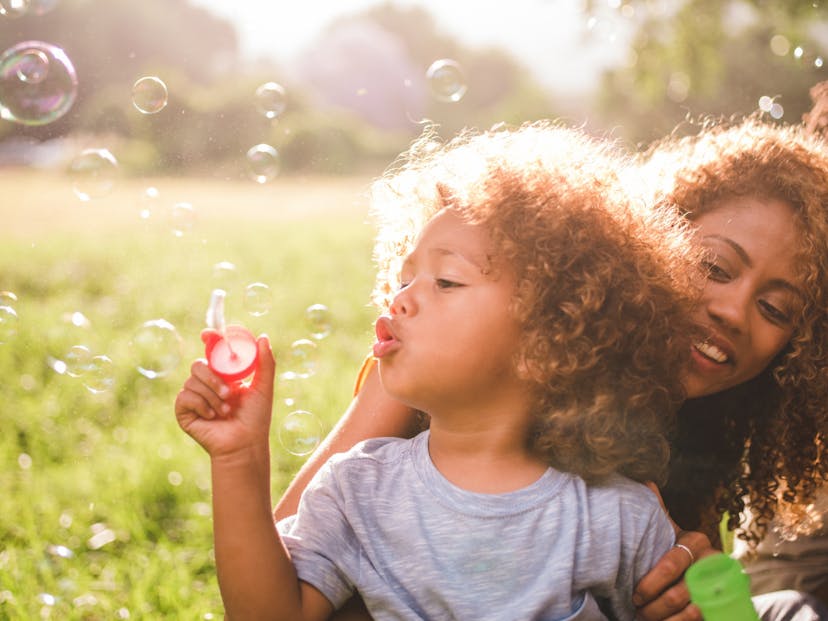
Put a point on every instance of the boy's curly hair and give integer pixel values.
(604, 284)
(746, 442)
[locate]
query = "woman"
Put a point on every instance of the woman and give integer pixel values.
(758, 383)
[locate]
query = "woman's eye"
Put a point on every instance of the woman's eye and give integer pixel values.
(403, 284)
(774, 314)
(714, 272)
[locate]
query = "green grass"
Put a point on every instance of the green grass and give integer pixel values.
(104, 501)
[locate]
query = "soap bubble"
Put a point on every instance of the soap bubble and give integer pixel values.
(148, 203)
(149, 95)
(257, 299)
(156, 347)
(93, 173)
(302, 358)
(300, 432)
(446, 79)
(32, 66)
(182, 218)
(262, 163)
(77, 360)
(38, 83)
(271, 99)
(8, 298)
(8, 324)
(777, 111)
(765, 103)
(100, 374)
(319, 320)
(226, 276)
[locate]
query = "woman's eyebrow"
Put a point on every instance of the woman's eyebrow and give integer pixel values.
(736, 247)
(779, 283)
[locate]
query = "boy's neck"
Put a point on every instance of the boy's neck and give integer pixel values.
(487, 453)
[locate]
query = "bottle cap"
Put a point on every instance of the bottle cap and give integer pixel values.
(232, 355)
(721, 589)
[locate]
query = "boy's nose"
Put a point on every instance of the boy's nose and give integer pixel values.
(403, 302)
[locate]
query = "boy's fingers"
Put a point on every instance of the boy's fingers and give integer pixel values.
(202, 372)
(266, 370)
(190, 402)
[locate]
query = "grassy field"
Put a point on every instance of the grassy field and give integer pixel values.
(105, 503)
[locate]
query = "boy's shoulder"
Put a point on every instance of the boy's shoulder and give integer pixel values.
(382, 450)
(625, 491)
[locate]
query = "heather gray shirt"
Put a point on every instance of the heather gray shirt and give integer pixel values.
(382, 520)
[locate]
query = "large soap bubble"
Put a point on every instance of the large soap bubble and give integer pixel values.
(38, 83)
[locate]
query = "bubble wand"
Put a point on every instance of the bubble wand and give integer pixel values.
(231, 351)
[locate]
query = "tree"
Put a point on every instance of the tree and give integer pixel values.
(716, 58)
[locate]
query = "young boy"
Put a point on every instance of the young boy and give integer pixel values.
(540, 320)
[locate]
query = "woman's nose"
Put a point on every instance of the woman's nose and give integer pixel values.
(729, 308)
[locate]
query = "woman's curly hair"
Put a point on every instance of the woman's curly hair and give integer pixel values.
(604, 285)
(737, 447)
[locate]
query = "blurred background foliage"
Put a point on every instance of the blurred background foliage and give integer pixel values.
(362, 94)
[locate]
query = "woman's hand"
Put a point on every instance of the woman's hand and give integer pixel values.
(223, 418)
(662, 594)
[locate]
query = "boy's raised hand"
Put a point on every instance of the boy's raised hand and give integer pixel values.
(223, 418)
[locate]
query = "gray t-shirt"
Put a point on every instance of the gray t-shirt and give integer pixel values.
(381, 519)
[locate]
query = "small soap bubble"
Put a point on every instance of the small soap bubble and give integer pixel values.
(156, 347)
(33, 66)
(798, 52)
(257, 299)
(300, 432)
(41, 7)
(319, 321)
(149, 95)
(777, 111)
(14, 8)
(100, 375)
(182, 218)
(38, 83)
(302, 358)
(818, 62)
(60, 551)
(226, 277)
(8, 324)
(93, 173)
(77, 360)
(148, 203)
(262, 163)
(271, 99)
(765, 103)
(8, 298)
(446, 80)
(47, 599)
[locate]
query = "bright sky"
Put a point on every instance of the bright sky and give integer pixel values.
(554, 38)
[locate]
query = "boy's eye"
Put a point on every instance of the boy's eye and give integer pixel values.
(442, 283)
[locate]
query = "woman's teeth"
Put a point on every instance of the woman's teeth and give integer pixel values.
(711, 351)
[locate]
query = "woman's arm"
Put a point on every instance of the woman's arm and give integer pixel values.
(371, 414)
(662, 594)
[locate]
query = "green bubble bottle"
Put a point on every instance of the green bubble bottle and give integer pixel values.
(721, 589)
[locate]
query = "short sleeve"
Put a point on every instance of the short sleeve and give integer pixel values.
(320, 540)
